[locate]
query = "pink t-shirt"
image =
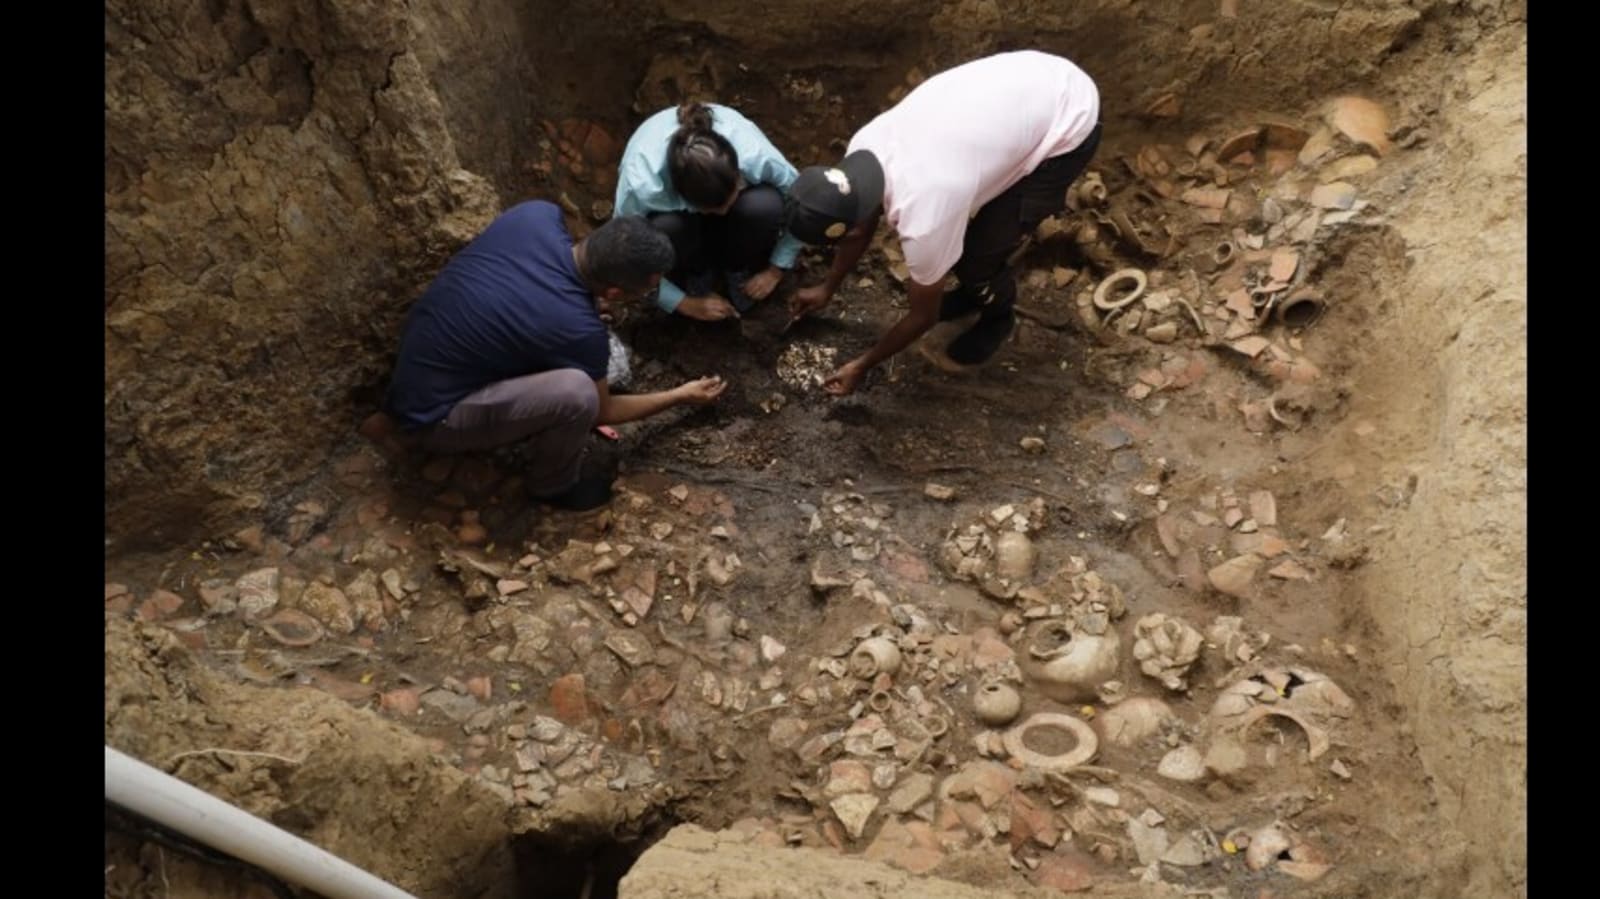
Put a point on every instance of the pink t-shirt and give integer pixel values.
(966, 135)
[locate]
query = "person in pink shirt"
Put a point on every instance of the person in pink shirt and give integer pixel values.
(964, 168)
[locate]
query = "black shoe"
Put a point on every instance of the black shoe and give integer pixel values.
(982, 339)
(588, 493)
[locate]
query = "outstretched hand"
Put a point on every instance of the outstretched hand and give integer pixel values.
(845, 381)
(701, 391)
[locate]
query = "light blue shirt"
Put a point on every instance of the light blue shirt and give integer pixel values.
(643, 185)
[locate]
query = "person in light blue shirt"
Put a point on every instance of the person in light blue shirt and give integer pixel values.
(707, 177)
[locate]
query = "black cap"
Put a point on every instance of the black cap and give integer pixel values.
(825, 201)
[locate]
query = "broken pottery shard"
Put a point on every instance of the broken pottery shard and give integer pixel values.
(258, 592)
(1239, 145)
(1264, 508)
(1304, 870)
(1207, 197)
(1284, 264)
(1186, 853)
(292, 627)
(939, 492)
(1166, 332)
(1250, 346)
(1336, 195)
(847, 777)
(916, 789)
(1362, 121)
(1290, 570)
(1279, 136)
(1348, 167)
(854, 811)
(633, 649)
(1150, 843)
(1233, 577)
(1167, 530)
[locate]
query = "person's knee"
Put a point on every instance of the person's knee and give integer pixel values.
(758, 206)
(573, 393)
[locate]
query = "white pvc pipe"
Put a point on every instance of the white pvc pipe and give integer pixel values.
(200, 816)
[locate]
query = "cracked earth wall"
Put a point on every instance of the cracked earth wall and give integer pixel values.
(284, 175)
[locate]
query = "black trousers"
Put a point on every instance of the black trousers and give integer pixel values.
(740, 241)
(999, 228)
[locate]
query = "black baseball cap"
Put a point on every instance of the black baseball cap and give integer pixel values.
(825, 201)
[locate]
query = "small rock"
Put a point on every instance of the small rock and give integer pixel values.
(1103, 796)
(1184, 764)
(365, 601)
(481, 687)
(771, 650)
(330, 606)
(1340, 769)
(854, 811)
(452, 705)
(545, 729)
(679, 493)
(939, 492)
(529, 758)
(786, 732)
(1226, 758)
(508, 587)
(1034, 445)
(160, 605)
(393, 584)
(1166, 332)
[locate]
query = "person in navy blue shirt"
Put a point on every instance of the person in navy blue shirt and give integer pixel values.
(507, 344)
